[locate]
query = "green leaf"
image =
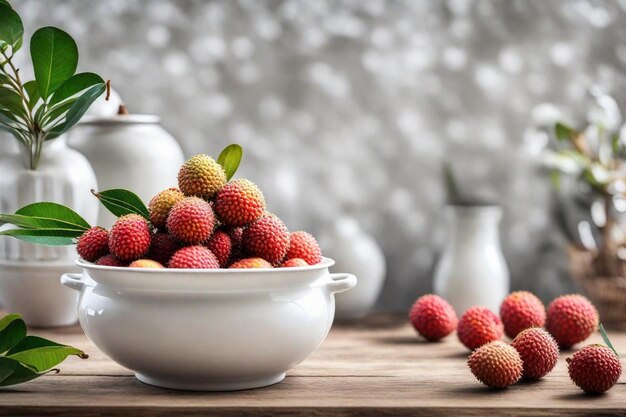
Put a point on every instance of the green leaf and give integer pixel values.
(55, 211)
(12, 372)
(74, 85)
(11, 27)
(11, 101)
(121, 202)
(55, 113)
(42, 354)
(12, 331)
(55, 57)
(606, 339)
(33, 93)
(230, 158)
(77, 110)
(564, 132)
(45, 237)
(5, 2)
(30, 222)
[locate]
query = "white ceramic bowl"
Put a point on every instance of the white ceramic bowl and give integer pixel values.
(207, 330)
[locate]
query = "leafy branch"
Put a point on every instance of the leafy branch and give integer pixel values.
(23, 358)
(45, 108)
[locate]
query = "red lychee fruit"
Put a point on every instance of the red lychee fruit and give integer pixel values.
(294, 262)
(304, 246)
(239, 203)
(110, 260)
(496, 364)
(251, 263)
(191, 221)
(194, 257)
(93, 244)
(145, 263)
(162, 247)
(130, 237)
(267, 238)
(479, 325)
(571, 319)
(201, 176)
(538, 350)
(521, 310)
(221, 246)
(433, 317)
(161, 204)
(594, 369)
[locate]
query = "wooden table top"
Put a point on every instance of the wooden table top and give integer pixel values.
(375, 368)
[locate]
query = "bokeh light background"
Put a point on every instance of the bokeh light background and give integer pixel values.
(353, 106)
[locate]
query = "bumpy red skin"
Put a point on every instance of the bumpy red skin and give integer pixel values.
(538, 350)
(162, 247)
(191, 221)
(221, 246)
(496, 364)
(161, 204)
(251, 263)
(521, 310)
(194, 257)
(267, 238)
(571, 319)
(239, 203)
(594, 369)
(478, 326)
(110, 260)
(93, 244)
(145, 263)
(433, 317)
(295, 262)
(304, 246)
(130, 238)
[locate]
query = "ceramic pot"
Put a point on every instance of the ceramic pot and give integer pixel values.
(358, 253)
(472, 270)
(207, 329)
(128, 151)
(29, 273)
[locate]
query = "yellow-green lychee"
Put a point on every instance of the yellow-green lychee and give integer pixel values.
(161, 204)
(201, 176)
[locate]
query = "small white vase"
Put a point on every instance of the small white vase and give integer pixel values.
(358, 253)
(128, 151)
(472, 270)
(29, 273)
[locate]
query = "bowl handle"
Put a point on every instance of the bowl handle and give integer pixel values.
(73, 281)
(340, 282)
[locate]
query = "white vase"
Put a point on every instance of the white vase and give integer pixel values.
(29, 273)
(472, 270)
(358, 253)
(128, 151)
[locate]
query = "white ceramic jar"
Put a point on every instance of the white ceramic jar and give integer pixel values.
(207, 329)
(29, 273)
(356, 252)
(472, 270)
(128, 151)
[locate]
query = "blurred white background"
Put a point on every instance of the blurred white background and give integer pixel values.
(353, 106)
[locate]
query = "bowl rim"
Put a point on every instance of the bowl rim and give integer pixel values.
(324, 264)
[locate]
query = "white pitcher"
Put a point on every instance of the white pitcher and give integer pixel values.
(472, 270)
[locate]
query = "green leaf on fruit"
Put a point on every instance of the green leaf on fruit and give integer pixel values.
(606, 339)
(121, 202)
(230, 158)
(55, 58)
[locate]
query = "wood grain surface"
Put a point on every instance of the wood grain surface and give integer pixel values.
(375, 368)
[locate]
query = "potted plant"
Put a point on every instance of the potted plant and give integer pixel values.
(589, 171)
(37, 113)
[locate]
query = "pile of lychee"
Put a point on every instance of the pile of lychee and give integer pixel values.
(207, 222)
(534, 350)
